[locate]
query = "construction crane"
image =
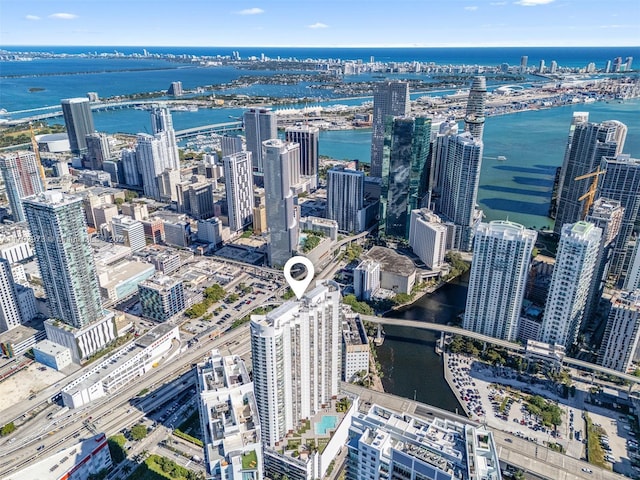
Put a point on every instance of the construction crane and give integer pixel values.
(36, 150)
(590, 196)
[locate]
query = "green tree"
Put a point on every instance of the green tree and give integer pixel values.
(7, 429)
(138, 432)
(116, 448)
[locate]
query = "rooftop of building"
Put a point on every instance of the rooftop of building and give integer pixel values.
(106, 253)
(391, 261)
(54, 198)
(353, 331)
(227, 393)
(111, 364)
(160, 282)
(58, 464)
(122, 271)
(50, 348)
(19, 334)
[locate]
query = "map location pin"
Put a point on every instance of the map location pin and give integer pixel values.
(298, 286)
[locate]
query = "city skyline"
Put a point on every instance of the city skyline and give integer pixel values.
(478, 23)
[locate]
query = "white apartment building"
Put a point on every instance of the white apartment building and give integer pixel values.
(366, 279)
(239, 189)
(499, 269)
(387, 444)
(620, 342)
(570, 283)
(229, 419)
(296, 359)
(428, 237)
(355, 348)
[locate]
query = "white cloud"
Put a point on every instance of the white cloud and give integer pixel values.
(532, 3)
(32, 17)
(318, 25)
(63, 16)
(471, 9)
(250, 11)
(616, 26)
(497, 4)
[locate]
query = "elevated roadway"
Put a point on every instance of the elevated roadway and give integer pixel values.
(514, 347)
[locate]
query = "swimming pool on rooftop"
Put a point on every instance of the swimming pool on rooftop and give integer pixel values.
(328, 422)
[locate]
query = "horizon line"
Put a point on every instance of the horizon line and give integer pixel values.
(384, 46)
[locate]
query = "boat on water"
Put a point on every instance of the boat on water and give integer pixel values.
(501, 158)
(379, 340)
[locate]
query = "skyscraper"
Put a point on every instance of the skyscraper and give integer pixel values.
(621, 182)
(570, 283)
(589, 143)
(21, 174)
(345, 197)
(501, 257)
(389, 98)
(428, 237)
(153, 155)
(162, 123)
(295, 351)
(607, 215)
(458, 187)
(61, 243)
(280, 159)
(9, 307)
(622, 332)
(260, 125)
(98, 150)
(79, 122)
(308, 138)
(474, 118)
(404, 172)
(239, 189)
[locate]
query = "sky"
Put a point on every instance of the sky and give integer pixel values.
(335, 23)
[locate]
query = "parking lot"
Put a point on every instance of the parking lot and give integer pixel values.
(498, 395)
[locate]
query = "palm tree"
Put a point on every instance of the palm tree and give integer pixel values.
(126, 468)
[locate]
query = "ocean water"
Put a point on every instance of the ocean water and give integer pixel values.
(75, 76)
(518, 188)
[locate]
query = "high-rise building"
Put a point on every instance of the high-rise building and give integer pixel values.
(428, 237)
(621, 182)
(389, 98)
(21, 174)
(260, 125)
(345, 198)
(175, 89)
(620, 343)
(366, 279)
(230, 144)
(458, 187)
(162, 123)
(153, 155)
(161, 297)
(499, 269)
(295, 351)
(229, 419)
(404, 172)
(130, 171)
(239, 189)
(607, 215)
(589, 142)
(61, 243)
(632, 279)
(98, 150)
(570, 283)
(308, 138)
(474, 118)
(280, 159)
(79, 122)
(523, 63)
(9, 307)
